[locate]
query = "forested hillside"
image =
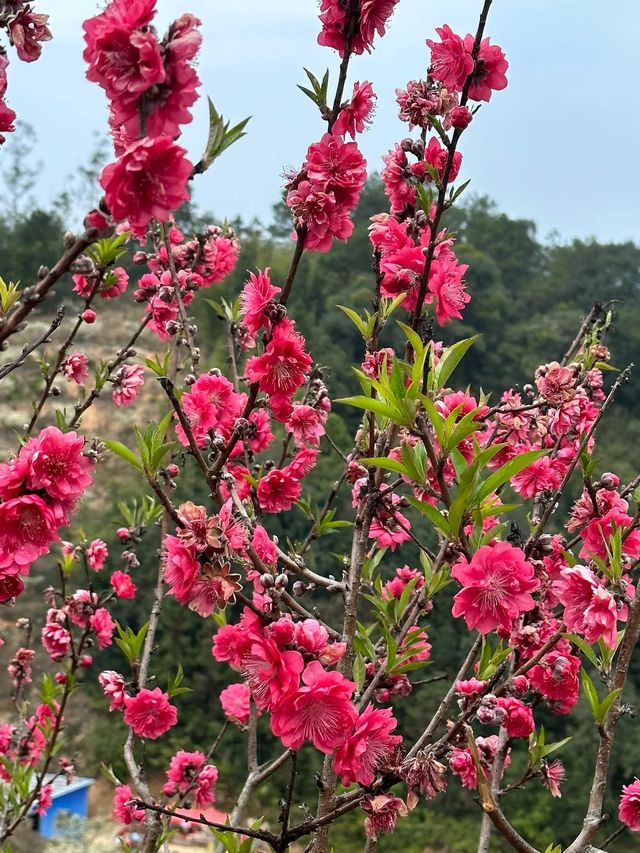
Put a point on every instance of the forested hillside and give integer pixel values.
(533, 296)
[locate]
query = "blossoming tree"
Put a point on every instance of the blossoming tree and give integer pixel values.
(546, 608)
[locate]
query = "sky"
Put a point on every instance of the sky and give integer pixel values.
(558, 146)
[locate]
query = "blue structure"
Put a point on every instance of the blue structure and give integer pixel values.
(69, 808)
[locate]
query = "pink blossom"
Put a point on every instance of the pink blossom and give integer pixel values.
(278, 490)
(497, 585)
(104, 626)
(489, 72)
(214, 589)
(75, 368)
(232, 643)
(390, 527)
(318, 212)
(188, 774)
(518, 719)
(437, 157)
(181, 568)
(122, 812)
(122, 584)
(320, 711)
(369, 748)
(629, 809)
(303, 462)
(27, 30)
(126, 384)
(219, 255)
(306, 424)
(44, 800)
(460, 117)
(353, 117)
(114, 283)
(311, 636)
(398, 189)
(446, 284)
(211, 403)
(56, 640)
(374, 15)
(149, 181)
(597, 533)
(552, 776)
(236, 702)
(257, 294)
(383, 811)
(97, 554)
(451, 61)
(270, 672)
(590, 610)
(150, 714)
(28, 526)
(58, 465)
(556, 678)
(338, 167)
(418, 102)
(114, 687)
(7, 115)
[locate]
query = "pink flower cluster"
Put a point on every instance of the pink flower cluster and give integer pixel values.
(189, 775)
(453, 64)
(26, 30)
(196, 560)
(39, 490)
(325, 190)
(151, 87)
(285, 665)
(149, 713)
(372, 18)
(200, 262)
(402, 260)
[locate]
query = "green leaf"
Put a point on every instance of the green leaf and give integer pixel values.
(385, 463)
(221, 136)
(606, 703)
(590, 692)
(449, 360)
(506, 472)
(585, 648)
(435, 517)
(123, 452)
(372, 404)
(358, 671)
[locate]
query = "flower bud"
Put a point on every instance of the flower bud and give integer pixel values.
(89, 316)
(460, 117)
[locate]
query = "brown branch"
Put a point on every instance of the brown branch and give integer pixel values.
(27, 349)
(261, 835)
(39, 291)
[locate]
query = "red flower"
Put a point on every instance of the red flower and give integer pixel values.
(369, 747)
(27, 31)
(451, 61)
(629, 810)
(278, 490)
(149, 181)
(497, 586)
(320, 711)
(150, 714)
(284, 364)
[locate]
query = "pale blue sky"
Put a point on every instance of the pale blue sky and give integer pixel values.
(558, 146)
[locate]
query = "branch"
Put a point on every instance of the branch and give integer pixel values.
(27, 349)
(36, 294)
